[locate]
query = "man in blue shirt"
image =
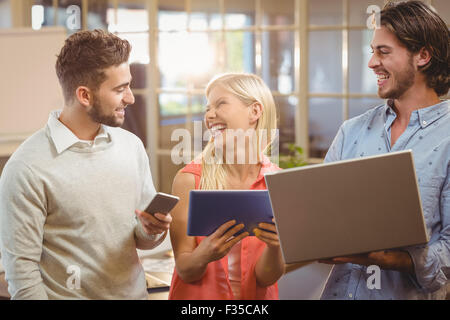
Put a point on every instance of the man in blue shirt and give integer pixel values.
(411, 60)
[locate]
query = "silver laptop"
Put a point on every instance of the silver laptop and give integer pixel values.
(347, 207)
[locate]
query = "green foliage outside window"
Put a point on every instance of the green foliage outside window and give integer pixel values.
(294, 158)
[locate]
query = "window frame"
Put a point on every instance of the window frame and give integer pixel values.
(301, 28)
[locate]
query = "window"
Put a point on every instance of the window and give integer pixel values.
(341, 85)
(5, 14)
(312, 54)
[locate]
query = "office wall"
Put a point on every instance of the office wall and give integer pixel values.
(29, 87)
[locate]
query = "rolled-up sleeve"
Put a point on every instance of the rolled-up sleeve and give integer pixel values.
(22, 218)
(432, 262)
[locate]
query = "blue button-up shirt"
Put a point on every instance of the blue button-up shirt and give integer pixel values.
(428, 136)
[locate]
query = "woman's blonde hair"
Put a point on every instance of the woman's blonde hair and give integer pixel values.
(250, 89)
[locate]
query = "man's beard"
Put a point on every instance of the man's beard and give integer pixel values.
(97, 115)
(403, 81)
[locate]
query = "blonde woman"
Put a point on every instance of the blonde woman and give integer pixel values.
(222, 266)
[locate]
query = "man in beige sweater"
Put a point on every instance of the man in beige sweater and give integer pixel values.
(71, 195)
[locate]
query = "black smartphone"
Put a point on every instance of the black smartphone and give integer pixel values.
(162, 203)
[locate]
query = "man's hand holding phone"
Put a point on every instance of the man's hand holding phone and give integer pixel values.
(156, 218)
(156, 223)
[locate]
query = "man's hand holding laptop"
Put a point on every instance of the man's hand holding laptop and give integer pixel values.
(385, 259)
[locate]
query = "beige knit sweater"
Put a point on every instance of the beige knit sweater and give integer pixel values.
(67, 223)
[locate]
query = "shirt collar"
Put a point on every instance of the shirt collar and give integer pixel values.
(426, 115)
(430, 114)
(389, 107)
(64, 138)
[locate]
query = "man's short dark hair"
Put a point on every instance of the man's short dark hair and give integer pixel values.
(85, 56)
(418, 26)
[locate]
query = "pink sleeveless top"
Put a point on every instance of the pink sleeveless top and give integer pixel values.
(215, 284)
